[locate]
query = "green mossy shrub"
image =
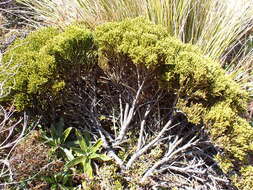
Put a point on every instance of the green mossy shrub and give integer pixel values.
(50, 63)
(205, 93)
(46, 62)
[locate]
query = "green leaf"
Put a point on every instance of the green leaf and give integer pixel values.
(97, 145)
(94, 156)
(54, 187)
(87, 168)
(54, 148)
(68, 153)
(87, 138)
(66, 178)
(79, 151)
(58, 141)
(62, 187)
(46, 138)
(51, 142)
(103, 157)
(81, 141)
(76, 161)
(66, 134)
(48, 179)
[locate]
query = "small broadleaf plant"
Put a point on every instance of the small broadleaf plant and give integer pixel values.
(58, 136)
(85, 154)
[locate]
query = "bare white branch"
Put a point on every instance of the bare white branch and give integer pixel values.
(140, 152)
(6, 126)
(139, 145)
(128, 115)
(173, 150)
(110, 152)
(3, 128)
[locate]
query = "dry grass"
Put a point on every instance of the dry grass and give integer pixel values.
(215, 25)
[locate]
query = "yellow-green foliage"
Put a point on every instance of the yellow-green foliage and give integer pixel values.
(44, 62)
(206, 94)
(136, 39)
(48, 60)
(245, 181)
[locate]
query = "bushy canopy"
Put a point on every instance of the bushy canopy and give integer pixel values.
(49, 59)
(44, 61)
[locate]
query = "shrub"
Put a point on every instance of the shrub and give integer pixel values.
(44, 62)
(191, 21)
(147, 83)
(219, 35)
(204, 92)
(244, 182)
